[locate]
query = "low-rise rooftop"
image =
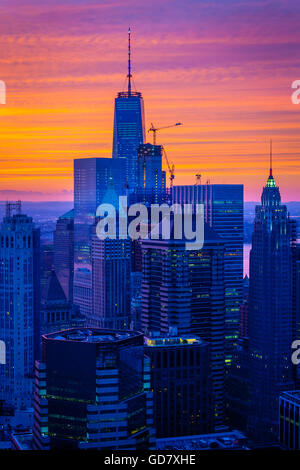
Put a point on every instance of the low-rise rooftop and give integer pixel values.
(92, 335)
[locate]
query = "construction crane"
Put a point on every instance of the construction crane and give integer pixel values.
(198, 179)
(155, 129)
(171, 168)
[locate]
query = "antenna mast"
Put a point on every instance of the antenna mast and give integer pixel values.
(129, 64)
(271, 158)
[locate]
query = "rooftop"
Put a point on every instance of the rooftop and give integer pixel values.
(92, 335)
(172, 341)
(222, 440)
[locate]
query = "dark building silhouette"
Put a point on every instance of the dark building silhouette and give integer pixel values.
(238, 387)
(57, 313)
(289, 420)
(270, 312)
(180, 380)
(92, 391)
(91, 178)
(149, 174)
(46, 266)
(224, 212)
(64, 252)
(185, 289)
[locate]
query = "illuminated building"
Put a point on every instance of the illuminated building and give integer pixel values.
(270, 323)
(181, 385)
(149, 174)
(92, 391)
(129, 127)
(185, 289)
(224, 212)
(289, 420)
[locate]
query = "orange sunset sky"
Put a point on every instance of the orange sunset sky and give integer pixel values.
(222, 68)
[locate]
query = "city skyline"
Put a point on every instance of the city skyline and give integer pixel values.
(216, 70)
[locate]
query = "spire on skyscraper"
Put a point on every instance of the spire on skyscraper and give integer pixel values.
(271, 182)
(271, 157)
(129, 64)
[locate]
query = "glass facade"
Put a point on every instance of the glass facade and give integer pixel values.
(129, 132)
(224, 212)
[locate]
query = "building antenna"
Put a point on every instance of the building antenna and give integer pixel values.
(271, 158)
(129, 64)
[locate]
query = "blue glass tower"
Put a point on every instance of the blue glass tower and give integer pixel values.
(91, 177)
(129, 127)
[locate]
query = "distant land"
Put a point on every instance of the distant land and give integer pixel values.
(45, 215)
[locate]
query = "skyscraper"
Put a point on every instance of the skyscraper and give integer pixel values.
(93, 391)
(149, 173)
(180, 380)
(57, 313)
(224, 212)
(111, 283)
(91, 177)
(289, 419)
(129, 126)
(64, 252)
(270, 312)
(19, 305)
(185, 289)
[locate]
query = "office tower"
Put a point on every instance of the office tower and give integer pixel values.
(57, 313)
(92, 391)
(46, 266)
(185, 289)
(111, 283)
(19, 305)
(64, 252)
(224, 212)
(180, 381)
(149, 174)
(129, 127)
(289, 420)
(91, 177)
(270, 312)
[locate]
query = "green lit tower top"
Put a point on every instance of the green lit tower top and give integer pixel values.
(271, 194)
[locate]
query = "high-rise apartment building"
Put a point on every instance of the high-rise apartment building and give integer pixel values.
(93, 391)
(19, 305)
(270, 323)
